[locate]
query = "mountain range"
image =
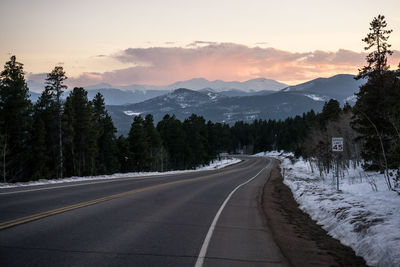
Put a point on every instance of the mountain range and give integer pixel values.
(120, 95)
(218, 106)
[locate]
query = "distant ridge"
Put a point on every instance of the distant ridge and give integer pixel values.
(135, 93)
(341, 87)
(240, 105)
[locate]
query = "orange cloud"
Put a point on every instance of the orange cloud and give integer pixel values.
(225, 61)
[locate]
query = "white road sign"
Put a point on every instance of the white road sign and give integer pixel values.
(337, 144)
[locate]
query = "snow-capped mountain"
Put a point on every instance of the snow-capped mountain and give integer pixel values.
(341, 87)
(135, 93)
(253, 85)
(215, 107)
(221, 107)
(180, 99)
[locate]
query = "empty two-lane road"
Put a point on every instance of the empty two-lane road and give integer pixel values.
(209, 218)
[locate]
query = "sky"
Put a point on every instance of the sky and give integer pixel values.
(158, 42)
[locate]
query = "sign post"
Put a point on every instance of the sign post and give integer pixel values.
(337, 146)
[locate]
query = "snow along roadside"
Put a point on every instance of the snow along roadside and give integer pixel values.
(218, 164)
(365, 220)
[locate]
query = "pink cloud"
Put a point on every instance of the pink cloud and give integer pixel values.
(225, 61)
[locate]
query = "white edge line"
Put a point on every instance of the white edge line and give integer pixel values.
(206, 242)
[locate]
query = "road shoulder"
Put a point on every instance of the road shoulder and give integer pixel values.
(301, 240)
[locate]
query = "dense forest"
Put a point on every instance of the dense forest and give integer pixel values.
(55, 138)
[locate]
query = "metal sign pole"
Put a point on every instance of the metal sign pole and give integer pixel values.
(337, 171)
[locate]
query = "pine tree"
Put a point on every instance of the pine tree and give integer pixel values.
(376, 39)
(107, 161)
(373, 112)
(196, 142)
(155, 150)
(347, 108)
(123, 154)
(138, 146)
(213, 146)
(43, 138)
(80, 134)
(330, 111)
(15, 121)
(39, 160)
(173, 139)
(55, 84)
(369, 112)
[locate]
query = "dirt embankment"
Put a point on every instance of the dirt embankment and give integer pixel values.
(301, 240)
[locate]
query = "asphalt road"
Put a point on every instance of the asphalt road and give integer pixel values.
(171, 220)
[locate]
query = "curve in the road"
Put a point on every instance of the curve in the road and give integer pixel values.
(204, 247)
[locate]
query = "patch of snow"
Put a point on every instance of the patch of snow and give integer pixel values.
(228, 115)
(251, 117)
(315, 97)
(350, 99)
(216, 164)
(212, 96)
(132, 113)
(359, 216)
(166, 109)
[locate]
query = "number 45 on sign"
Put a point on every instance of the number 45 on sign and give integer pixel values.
(337, 144)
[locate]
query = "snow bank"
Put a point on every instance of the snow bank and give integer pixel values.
(359, 216)
(217, 164)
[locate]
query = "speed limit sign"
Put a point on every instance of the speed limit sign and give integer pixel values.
(337, 144)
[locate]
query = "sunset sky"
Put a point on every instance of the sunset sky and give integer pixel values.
(160, 42)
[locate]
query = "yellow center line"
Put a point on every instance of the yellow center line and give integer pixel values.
(41, 215)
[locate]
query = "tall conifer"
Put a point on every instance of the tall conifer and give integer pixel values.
(15, 121)
(55, 84)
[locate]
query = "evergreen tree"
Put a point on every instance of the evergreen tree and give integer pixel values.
(55, 84)
(15, 121)
(213, 142)
(347, 108)
(370, 114)
(123, 154)
(39, 156)
(173, 139)
(196, 143)
(42, 163)
(80, 134)
(106, 161)
(156, 152)
(330, 111)
(138, 146)
(376, 39)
